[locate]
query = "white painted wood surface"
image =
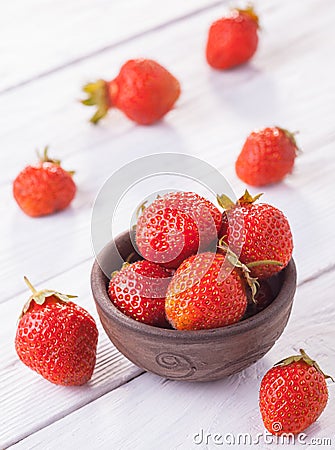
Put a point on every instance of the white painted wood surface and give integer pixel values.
(150, 412)
(42, 36)
(290, 82)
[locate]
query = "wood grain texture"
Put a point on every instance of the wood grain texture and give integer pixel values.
(151, 411)
(40, 37)
(290, 82)
(227, 105)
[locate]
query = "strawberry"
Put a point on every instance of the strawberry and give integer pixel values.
(176, 226)
(138, 290)
(292, 395)
(233, 39)
(44, 188)
(57, 338)
(206, 291)
(267, 156)
(144, 90)
(257, 232)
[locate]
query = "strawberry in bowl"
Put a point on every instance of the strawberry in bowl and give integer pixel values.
(213, 332)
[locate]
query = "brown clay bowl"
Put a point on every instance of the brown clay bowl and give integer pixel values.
(202, 355)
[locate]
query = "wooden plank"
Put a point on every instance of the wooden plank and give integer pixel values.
(272, 89)
(150, 410)
(28, 402)
(282, 80)
(39, 37)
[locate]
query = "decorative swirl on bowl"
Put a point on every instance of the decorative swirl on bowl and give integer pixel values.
(179, 365)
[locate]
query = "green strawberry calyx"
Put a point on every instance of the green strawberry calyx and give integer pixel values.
(303, 357)
(291, 136)
(233, 259)
(39, 297)
(249, 11)
(247, 199)
(97, 95)
(45, 158)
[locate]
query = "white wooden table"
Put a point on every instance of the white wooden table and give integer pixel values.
(48, 50)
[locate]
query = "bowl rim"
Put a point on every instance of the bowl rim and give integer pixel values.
(283, 300)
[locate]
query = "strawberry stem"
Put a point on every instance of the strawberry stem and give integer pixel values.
(39, 297)
(31, 287)
(45, 157)
(271, 262)
(97, 95)
(250, 11)
(233, 259)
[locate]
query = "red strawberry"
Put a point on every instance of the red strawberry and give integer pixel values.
(57, 338)
(144, 90)
(293, 394)
(205, 292)
(233, 39)
(175, 227)
(257, 232)
(44, 188)
(267, 156)
(138, 290)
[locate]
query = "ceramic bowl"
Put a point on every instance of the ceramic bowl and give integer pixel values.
(202, 355)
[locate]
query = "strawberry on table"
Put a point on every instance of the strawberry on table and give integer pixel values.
(57, 338)
(267, 156)
(175, 226)
(292, 395)
(205, 292)
(144, 90)
(257, 232)
(233, 39)
(139, 289)
(44, 188)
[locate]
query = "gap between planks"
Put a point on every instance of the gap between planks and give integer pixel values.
(321, 136)
(109, 47)
(303, 331)
(62, 416)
